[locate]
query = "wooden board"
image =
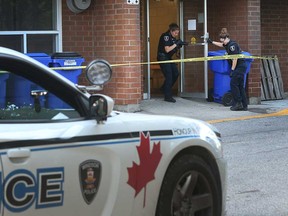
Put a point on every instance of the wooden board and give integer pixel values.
(271, 80)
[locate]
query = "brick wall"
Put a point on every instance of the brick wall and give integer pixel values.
(274, 31)
(254, 47)
(109, 29)
(233, 16)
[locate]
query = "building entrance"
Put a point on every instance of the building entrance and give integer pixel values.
(161, 14)
(191, 17)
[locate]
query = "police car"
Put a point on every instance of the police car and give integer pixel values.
(77, 156)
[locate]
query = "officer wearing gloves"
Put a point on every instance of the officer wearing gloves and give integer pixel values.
(167, 47)
(238, 69)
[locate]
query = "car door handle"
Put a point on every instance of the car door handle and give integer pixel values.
(19, 153)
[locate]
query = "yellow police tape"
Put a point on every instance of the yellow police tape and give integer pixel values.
(198, 59)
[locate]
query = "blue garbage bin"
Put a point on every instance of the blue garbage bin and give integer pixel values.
(3, 78)
(65, 59)
(41, 57)
(19, 89)
(221, 68)
(46, 60)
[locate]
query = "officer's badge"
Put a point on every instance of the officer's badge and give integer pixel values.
(166, 38)
(90, 176)
(232, 48)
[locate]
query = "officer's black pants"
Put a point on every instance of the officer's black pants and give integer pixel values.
(237, 86)
(170, 72)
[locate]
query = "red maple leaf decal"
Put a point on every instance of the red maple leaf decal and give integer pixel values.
(140, 175)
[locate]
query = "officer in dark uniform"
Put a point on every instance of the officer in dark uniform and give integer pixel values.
(167, 47)
(238, 70)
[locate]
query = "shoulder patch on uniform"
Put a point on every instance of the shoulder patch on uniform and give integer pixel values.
(232, 48)
(166, 38)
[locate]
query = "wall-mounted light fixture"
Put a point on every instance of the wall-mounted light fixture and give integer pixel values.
(77, 6)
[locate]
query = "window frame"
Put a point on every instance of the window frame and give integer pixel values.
(57, 32)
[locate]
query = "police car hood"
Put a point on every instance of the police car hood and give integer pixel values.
(179, 127)
(150, 122)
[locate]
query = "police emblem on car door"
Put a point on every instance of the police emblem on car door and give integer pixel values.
(90, 176)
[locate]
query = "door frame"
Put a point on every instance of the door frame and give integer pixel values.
(147, 95)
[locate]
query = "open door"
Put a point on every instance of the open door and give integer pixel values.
(194, 75)
(160, 13)
(191, 15)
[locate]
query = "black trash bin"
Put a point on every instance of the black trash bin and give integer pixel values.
(62, 60)
(221, 69)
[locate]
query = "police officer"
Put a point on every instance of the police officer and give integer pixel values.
(238, 70)
(167, 47)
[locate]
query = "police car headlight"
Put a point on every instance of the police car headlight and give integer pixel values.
(98, 72)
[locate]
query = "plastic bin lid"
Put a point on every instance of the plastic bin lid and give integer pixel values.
(217, 53)
(247, 54)
(37, 54)
(223, 52)
(65, 55)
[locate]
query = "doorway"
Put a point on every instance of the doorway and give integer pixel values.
(161, 14)
(191, 15)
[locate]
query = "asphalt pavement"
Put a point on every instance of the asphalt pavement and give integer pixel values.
(212, 112)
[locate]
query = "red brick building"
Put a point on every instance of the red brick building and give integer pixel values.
(117, 31)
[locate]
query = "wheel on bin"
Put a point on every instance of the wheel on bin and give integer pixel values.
(227, 99)
(210, 95)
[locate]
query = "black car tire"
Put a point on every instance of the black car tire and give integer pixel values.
(227, 99)
(202, 196)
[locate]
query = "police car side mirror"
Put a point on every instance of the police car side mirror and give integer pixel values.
(101, 106)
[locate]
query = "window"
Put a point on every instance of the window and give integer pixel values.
(21, 99)
(30, 25)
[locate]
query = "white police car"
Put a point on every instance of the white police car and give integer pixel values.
(76, 156)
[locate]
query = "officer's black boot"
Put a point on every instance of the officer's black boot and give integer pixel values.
(237, 106)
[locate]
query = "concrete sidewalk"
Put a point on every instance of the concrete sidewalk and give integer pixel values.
(209, 111)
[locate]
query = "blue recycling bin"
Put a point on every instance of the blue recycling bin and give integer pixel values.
(222, 69)
(19, 89)
(46, 60)
(41, 57)
(59, 61)
(3, 78)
